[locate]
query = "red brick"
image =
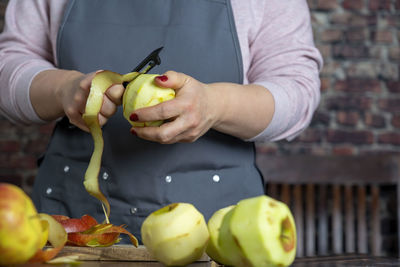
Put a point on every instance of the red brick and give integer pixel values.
(343, 150)
(393, 86)
(394, 53)
(354, 137)
(9, 146)
(356, 35)
(325, 84)
(358, 21)
(358, 86)
(331, 35)
(349, 103)
(47, 128)
(347, 118)
(15, 161)
(353, 4)
(390, 104)
(37, 146)
(396, 121)
(350, 51)
(394, 20)
(389, 138)
(330, 68)
(325, 50)
(342, 18)
(365, 69)
(382, 36)
(310, 136)
(375, 5)
(267, 148)
(326, 4)
(374, 120)
(321, 118)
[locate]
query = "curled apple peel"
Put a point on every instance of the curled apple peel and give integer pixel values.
(57, 236)
(100, 83)
(140, 92)
(86, 232)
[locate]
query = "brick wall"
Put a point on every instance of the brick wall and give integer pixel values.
(360, 104)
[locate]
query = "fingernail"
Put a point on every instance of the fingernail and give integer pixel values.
(162, 78)
(133, 132)
(134, 117)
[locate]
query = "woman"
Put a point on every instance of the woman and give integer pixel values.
(243, 71)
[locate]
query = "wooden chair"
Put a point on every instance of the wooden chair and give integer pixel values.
(335, 200)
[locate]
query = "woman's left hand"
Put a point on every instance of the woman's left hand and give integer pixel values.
(187, 117)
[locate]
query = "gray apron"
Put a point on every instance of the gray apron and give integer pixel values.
(138, 176)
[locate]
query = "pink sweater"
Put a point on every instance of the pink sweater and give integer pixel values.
(275, 40)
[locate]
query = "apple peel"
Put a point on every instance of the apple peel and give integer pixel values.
(57, 236)
(86, 232)
(143, 89)
(100, 83)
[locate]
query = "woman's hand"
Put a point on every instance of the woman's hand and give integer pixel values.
(188, 116)
(239, 110)
(69, 96)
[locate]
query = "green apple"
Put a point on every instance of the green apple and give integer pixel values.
(265, 231)
(175, 235)
(229, 246)
(213, 249)
(143, 92)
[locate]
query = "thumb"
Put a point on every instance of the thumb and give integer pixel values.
(172, 79)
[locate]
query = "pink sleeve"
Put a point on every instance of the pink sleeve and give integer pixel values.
(281, 57)
(26, 48)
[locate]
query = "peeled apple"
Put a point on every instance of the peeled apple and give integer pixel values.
(175, 235)
(213, 249)
(20, 226)
(143, 92)
(140, 92)
(258, 232)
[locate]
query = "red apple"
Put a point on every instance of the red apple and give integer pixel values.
(20, 226)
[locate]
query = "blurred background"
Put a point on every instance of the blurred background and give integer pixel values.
(359, 113)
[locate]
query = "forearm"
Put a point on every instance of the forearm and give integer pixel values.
(242, 110)
(46, 90)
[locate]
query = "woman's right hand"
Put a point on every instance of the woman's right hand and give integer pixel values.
(70, 92)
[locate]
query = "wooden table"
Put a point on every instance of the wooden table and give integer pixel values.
(121, 255)
(346, 260)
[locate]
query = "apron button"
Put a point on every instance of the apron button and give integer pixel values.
(216, 178)
(49, 190)
(66, 169)
(133, 210)
(168, 178)
(105, 176)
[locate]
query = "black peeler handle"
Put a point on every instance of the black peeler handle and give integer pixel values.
(152, 60)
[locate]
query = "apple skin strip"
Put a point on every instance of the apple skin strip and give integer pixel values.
(55, 234)
(100, 83)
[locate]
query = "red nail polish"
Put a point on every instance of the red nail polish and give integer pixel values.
(133, 132)
(134, 117)
(162, 78)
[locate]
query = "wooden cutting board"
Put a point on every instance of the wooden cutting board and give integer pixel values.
(113, 253)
